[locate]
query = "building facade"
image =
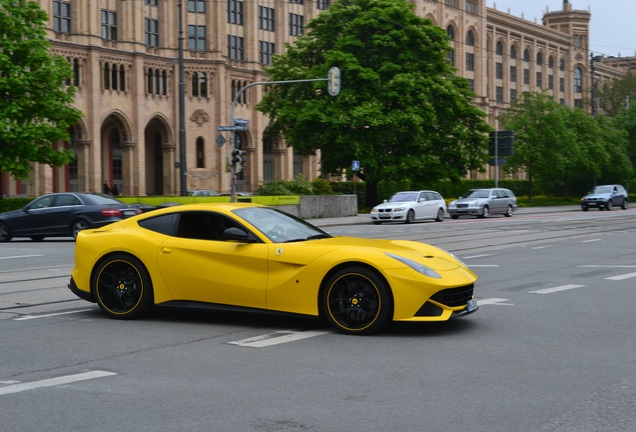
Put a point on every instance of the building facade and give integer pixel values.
(156, 78)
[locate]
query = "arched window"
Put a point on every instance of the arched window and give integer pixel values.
(149, 78)
(513, 52)
(157, 81)
(113, 80)
(539, 59)
(470, 38)
(203, 84)
(200, 153)
(122, 78)
(107, 75)
(195, 84)
(164, 83)
(526, 56)
(578, 80)
(499, 48)
(551, 62)
(562, 65)
(450, 31)
(76, 72)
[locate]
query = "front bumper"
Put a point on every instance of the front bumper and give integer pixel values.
(389, 216)
(470, 211)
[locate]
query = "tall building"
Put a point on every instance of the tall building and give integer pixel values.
(147, 103)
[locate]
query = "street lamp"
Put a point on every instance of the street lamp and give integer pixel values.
(182, 136)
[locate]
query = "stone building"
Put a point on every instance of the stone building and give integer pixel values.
(131, 77)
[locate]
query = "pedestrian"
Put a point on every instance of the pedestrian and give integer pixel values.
(105, 188)
(115, 190)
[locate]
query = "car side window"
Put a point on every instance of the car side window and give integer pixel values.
(164, 224)
(422, 197)
(204, 225)
(66, 200)
(43, 202)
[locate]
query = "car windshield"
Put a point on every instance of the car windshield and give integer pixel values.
(404, 196)
(278, 226)
(602, 189)
(477, 193)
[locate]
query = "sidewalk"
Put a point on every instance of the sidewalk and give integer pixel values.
(364, 218)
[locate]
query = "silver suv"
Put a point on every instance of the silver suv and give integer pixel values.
(483, 203)
(605, 198)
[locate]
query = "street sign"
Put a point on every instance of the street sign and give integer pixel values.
(235, 128)
(355, 165)
(240, 121)
(220, 140)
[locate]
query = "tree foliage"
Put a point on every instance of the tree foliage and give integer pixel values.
(402, 112)
(35, 104)
(560, 146)
(614, 95)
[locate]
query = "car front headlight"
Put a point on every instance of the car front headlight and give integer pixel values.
(399, 209)
(420, 268)
(476, 204)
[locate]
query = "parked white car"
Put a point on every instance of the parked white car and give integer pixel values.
(410, 206)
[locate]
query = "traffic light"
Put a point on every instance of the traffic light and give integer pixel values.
(238, 160)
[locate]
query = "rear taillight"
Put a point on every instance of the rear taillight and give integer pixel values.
(110, 212)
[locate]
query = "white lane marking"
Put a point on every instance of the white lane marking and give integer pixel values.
(21, 256)
(30, 317)
(606, 266)
(542, 247)
(477, 256)
(276, 338)
(50, 382)
(591, 240)
(556, 289)
(494, 300)
(622, 277)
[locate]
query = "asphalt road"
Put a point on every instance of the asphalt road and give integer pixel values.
(551, 348)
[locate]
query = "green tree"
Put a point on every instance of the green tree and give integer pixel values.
(402, 112)
(626, 121)
(614, 94)
(35, 104)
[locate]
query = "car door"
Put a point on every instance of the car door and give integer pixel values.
(61, 214)
(422, 206)
(34, 221)
(198, 266)
(498, 199)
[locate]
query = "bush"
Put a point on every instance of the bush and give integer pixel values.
(8, 204)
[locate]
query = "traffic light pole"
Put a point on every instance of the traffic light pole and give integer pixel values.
(333, 86)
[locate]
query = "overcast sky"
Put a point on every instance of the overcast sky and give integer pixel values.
(613, 25)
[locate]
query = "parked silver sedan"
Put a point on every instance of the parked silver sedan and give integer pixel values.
(410, 206)
(483, 203)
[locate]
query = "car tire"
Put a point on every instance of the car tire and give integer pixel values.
(77, 226)
(440, 215)
(377, 222)
(410, 217)
(609, 206)
(122, 287)
(356, 300)
(5, 232)
(508, 212)
(625, 204)
(454, 216)
(485, 212)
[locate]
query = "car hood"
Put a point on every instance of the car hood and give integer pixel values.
(597, 196)
(393, 204)
(11, 214)
(468, 200)
(368, 250)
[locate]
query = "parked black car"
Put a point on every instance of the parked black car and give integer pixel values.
(63, 215)
(605, 197)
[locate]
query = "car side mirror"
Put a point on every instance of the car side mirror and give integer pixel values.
(237, 234)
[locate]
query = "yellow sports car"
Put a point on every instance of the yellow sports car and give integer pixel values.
(241, 255)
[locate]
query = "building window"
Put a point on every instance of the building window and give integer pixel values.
(296, 24)
(151, 28)
(114, 77)
(551, 62)
(450, 56)
(109, 25)
(200, 153)
(539, 59)
(526, 76)
(513, 52)
(471, 85)
(499, 70)
(197, 6)
(513, 95)
(470, 38)
(235, 12)
(539, 79)
(561, 84)
(471, 6)
(199, 81)
(499, 94)
(157, 82)
(62, 16)
(152, 2)
(266, 18)
(323, 4)
(551, 82)
(499, 48)
(75, 80)
(562, 65)
(526, 56)
(267, 51)
(451, 3)
(513, 74)
(235, 48)
(196, 38)
(297, 1)
(470, 61)
(578, 80)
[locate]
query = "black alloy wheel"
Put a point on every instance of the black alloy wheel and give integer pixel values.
(122, 287)
(410, 217)
(356, 300)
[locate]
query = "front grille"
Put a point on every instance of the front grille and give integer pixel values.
(453, 297)
(462, 205)
(384, 210)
